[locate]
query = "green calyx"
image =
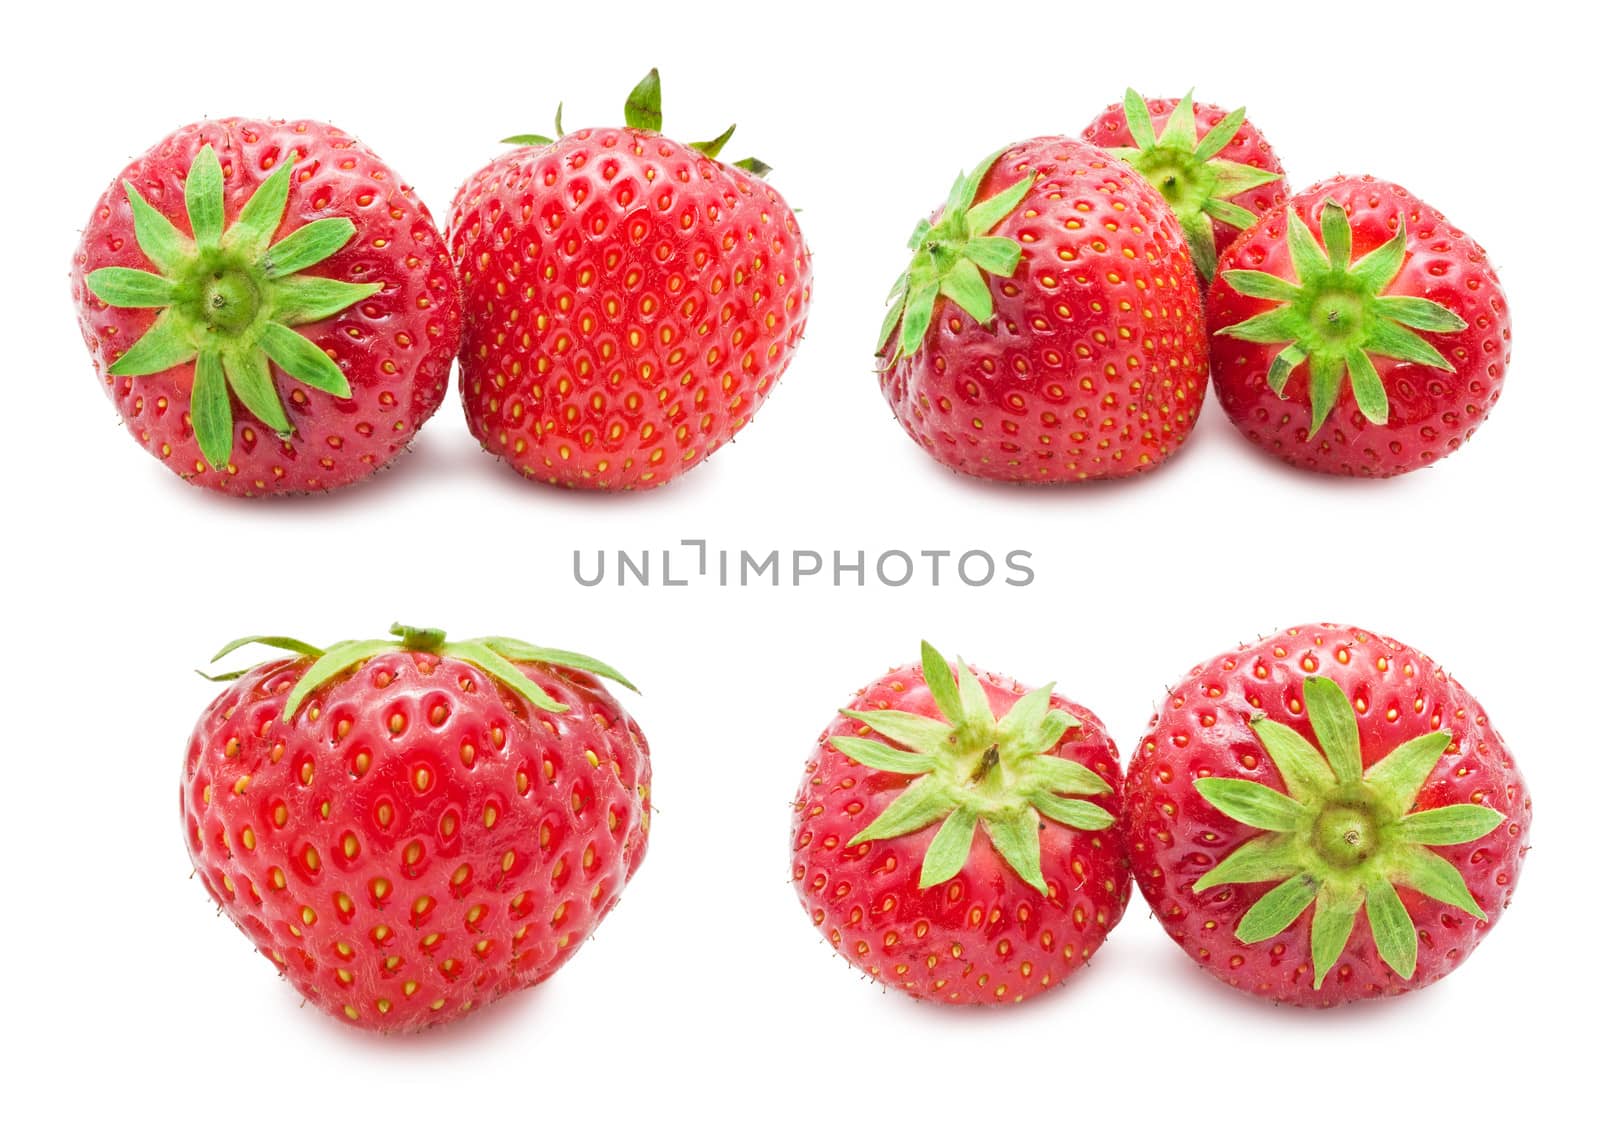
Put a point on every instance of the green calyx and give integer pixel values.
(1342, 838)
(642, 110)
(953, 257)
(494, 655)
(972, 769)
(1189, 174)
(1339, 316)
(229, 298)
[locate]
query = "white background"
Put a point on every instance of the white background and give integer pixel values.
(707, 993)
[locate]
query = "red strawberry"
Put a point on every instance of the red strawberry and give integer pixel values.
(630, 300)
(268, 306)
(1313, 351)
(888, 859)
(1325, 816)
(1214, 167)
(1049, 327)
(413, 828)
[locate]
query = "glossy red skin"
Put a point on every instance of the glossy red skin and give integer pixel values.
(1248, 146)
(574, 830)
(984, 936)
(1048, 396)
(1431, 411)
(569, 250)
(394, 348)
(1201, 730)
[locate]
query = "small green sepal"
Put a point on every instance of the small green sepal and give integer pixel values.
(1342, 837)
(228, 298)
(496, 656)
(970, 769)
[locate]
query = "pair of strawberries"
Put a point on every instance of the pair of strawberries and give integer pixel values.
(1056, 323)
(411, 827)
(272, 310)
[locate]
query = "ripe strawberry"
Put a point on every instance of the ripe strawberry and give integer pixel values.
(1325, 816)
(630, 300)
(412, 828)
(1083, 357)
(1214, 168)
(888, 860)
(268, 306)
(1291, 317)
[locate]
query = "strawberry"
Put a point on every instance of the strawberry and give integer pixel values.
(888, 859)
(267, 305)
(411, 828)
(1049, 327)
(1214, 167)
(630, 300)
(1313, 349)
(1325, 816)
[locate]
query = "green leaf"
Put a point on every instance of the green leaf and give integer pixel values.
(1448, 825)
(1202, 242)
(1387, 338)
(1305, 772)
(882, 757)
(130, 289)
(1026, 714)
(1218, 136)
(1233, 178)
(1074, 812)
(1334, 722)
(1379, 267)
(164, 345)
(250, 376)
(923, 802)
(1251, 803)
(526, 139)
(920, 733)
(1230, 213)
(949, 849)
(1279, 324)
(994, 255)
(1045, 736)
(754, 166)
(332, 662)
(1433, 876)
(210, 411)
(918, 316)
(303, 299)
(1332, 921)
(307, 246)
(162, 243)
(891, 319)
(516, 650)
(1259, 283)
(1137, 112)
(1327, 376)
(1310, 263)
(503, 671)
(1392, 930)
(643, 107)
(965, 190)
(1015, 835)
(1268, 857)
(1371, 396)
(202, 195)
(1336, 235)
(1399, 776)
(1277, 909)
(1419, 313)
(714, 146)
(560, 132)
(262, 214)
(1283, 366)
(985, 216)
(303, 360)
(976, 715)
(1179, 132)
(1056, 774)
(965, 285)
(941, 683)
(276, 641)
